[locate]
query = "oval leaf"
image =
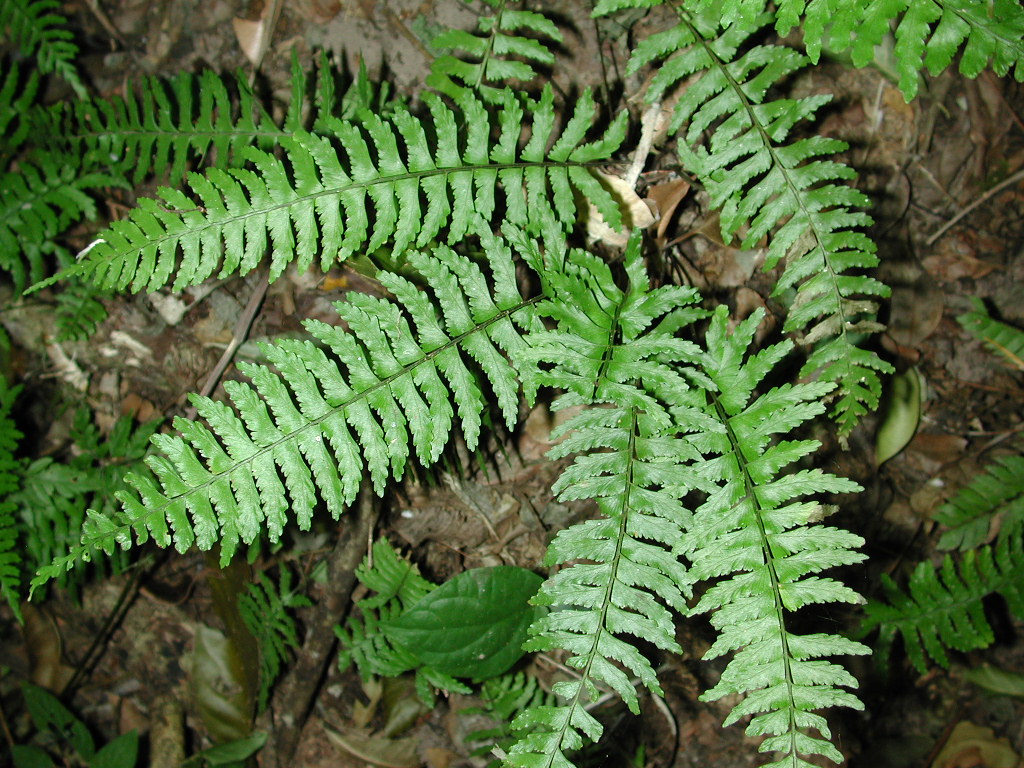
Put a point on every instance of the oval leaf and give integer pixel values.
(473, 625)
(900, 415)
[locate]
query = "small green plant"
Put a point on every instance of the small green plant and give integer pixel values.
(63, 739)
(473, 626)
(267, 611)
(689, 437)
(943, 607)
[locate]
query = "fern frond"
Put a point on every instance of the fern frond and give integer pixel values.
(10, 470)
(160, 126)
(767, 185)
(318, 423)
(929, 34)
(35, 28)
(615, 350)
(55, 495)
(994, 499)
(753, 535)
(17, 94)
(943, 607)
(37, 203)
(1003, 339)
(316, 205)
(79, 310)
(266, 608)
(488, 52)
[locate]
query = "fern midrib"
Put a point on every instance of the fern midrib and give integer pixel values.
(750, 488)
(607, 599)
(363, 395)
(489, 50)
(767, 142)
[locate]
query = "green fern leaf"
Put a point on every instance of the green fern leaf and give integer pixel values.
(311, 429)
(770, 187)
(79, 311)
(753, 534)
(266, 610)
(615, 349)
(314, 206)
(489, 52)
(35, 28)
(929, 33)
(943, 608)
(994, 499)
(37, 203)
(162, 125)
(1005, 340)
(17, 94)
(10, 549)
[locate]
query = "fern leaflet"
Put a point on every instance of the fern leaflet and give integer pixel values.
(316, 424)
(17, 94)
(33, 26)
(490, 51)
(753, 535)
(943, 608)
(616, 350)
(266, 610)
(1005, 340)
(313, 206)
(765, 184)
(993, 500)
(10, 557)
(37, 203)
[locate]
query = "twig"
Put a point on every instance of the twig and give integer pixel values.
(294, 696)
(238, 337)
(92, 656)
(995, 190)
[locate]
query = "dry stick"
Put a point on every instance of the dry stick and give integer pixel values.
(995, 190)
(294, 696)
(238, 337)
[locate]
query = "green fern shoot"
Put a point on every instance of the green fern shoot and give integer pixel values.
(397, 383)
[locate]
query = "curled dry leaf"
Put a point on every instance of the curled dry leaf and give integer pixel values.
(971, 746)
(636, 213)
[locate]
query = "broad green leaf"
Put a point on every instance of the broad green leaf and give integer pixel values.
(473, 625)
(231, 752)
(49, 714)
(122, 752)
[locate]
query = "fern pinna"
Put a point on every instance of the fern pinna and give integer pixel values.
(402, 182)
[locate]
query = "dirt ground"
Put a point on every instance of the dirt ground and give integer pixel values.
(922, 164)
